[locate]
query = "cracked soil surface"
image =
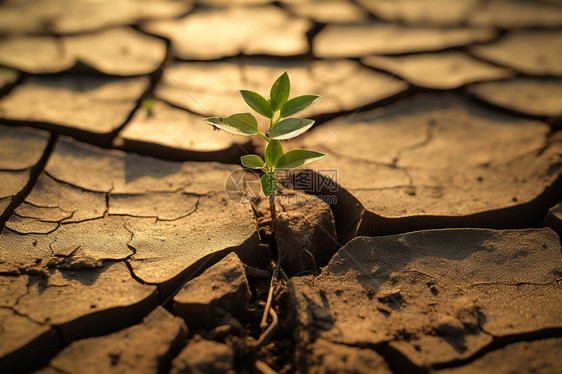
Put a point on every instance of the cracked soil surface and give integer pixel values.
(428, 241)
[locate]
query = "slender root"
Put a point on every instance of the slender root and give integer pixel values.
(276, 270)
(273, 213)
(264, 368)
(264, 338)
(274, 276)
(283, 274)
(311, 257)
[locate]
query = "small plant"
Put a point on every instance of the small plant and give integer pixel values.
(148, 105)
(277, 110)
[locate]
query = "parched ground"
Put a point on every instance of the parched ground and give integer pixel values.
(438, 251)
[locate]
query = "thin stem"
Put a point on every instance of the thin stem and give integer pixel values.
(273, 213)
(263, 136)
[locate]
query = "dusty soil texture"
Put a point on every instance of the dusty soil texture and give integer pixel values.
(443, 71)
(7, 77)
(327, 78)
(168, 132)
(146, 347)
(502, 14)
(517, 357)
(305, 232)
(229, 293)
(21, 157)
(328, 11)
(431, 299)
(221, 32)
(554, 218)
(337, 41)
(450, 164)
(426, 242)
(64, 17)
(204, 356)
(82, 106)
(528, 52)
(537, 97)
(426, 12)
(117, 51)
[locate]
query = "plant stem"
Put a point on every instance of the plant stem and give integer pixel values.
(276, 266)
(273, 214)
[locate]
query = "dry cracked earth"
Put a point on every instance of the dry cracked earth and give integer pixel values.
(121, 253)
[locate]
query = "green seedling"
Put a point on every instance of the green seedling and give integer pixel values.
(148, 105)
(278, 110)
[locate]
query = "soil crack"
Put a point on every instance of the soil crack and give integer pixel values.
(35, 172)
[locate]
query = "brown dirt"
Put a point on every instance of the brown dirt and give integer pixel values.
(441, 121)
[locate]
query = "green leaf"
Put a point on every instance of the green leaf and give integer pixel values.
(268, 183)
(280, 91)
(257, 102)
(297, 104)
(298, 157)
(289, 128)
(148, 104)
(239, 124)
(252, 161)
(273, 151)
